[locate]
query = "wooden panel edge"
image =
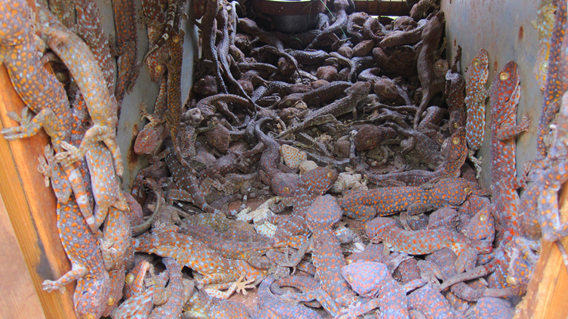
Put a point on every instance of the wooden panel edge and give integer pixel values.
(31, 207)
(546, 294)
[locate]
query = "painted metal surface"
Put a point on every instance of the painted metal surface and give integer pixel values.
(145, 90)
(503, 28)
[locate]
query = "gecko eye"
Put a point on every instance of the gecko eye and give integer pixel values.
(512, 280)
(90, 316)
(176, 39)
(129, 278)
(544, 67)
(475, 62)
(286, 189)
(349, 278)
(456, 140)
(456, 125)
(158, 68)
(61, 77)
(330, 174)
(504, 76)
(483, 217)
(110, 301)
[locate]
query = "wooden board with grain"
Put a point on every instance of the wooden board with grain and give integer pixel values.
(546, 295)
(31, 208)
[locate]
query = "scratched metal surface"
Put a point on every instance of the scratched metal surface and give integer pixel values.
(503, 28)
(145, 90)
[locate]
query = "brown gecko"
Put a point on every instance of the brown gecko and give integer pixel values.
(126, 47)
(355, 93)
(430, 71)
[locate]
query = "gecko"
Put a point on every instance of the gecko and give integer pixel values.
(102, 107)
(476, 93)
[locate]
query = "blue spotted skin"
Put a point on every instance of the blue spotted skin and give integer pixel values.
(328, 259)
(93, 282)
(407, 271)
(371, 279)
(373, 252)
(38, 88)
(510, 268)
(326, 250)
(364, 205)
(430, 303)
(493, 308)
(544, 25)
(90, 79)
(228, 309)
(189, 252)
(505, 95)
(426, 241)
(556, 81)
(248, 251)
(444, 217)
(272, 307)
(92, 296)
(292, 230)
(481, 226)
(138, 306)
(539, 204)
(507, 206)
(105, 185)
(323, 213)
(473, 204)
(173, 307)
(312, 184)
(476, 79)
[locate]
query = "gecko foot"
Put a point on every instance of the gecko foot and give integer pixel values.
(49, 286)
(69, 156)
(242, 286)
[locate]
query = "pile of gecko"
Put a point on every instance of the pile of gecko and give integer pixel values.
(324, 174)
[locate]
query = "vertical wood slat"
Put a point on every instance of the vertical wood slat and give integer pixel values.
(31, 207)
(546, 295)
(18, 298)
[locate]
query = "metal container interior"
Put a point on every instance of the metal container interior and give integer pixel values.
(291, 16)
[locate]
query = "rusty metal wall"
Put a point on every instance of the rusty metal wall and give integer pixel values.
(145, 91)
(503, 28)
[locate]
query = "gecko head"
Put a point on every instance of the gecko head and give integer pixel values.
(129, 278)
(544, 67)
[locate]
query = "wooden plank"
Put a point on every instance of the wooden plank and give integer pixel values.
(31, 207)
(18, 298)
(546, 295)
